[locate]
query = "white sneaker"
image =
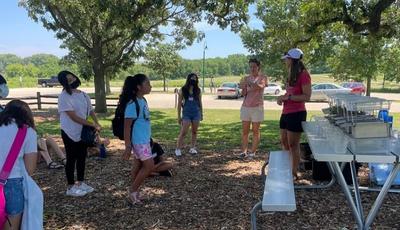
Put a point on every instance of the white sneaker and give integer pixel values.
(192, 151)
(75, 191)
(251, 155)
(178, 152)
(86, 188)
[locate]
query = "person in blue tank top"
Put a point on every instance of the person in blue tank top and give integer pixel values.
(189, 102)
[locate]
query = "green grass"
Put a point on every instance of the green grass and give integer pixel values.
(390, 87)
(220, 129)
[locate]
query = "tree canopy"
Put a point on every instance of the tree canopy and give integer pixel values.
(349, 35)
(114, 34)
(163, 59)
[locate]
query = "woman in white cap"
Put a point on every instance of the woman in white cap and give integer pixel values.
(298, 91)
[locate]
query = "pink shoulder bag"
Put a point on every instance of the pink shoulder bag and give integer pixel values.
(7, 167)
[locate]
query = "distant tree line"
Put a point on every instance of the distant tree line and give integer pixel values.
(46, 65)
(35, 66)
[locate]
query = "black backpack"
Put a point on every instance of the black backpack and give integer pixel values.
(156, 150)
(119, 118)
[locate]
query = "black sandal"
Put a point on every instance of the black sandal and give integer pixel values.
(54, 165)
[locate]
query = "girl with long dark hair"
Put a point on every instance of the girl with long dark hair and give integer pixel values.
(189, 102)
(16, 115)
(137, 131)
(298, 91)
(75, 107)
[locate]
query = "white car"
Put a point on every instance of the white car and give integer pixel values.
(229, 89)
(273, 88)
(320, 90)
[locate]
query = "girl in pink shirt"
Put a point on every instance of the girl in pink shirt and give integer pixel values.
(298, 91)
(252, 110)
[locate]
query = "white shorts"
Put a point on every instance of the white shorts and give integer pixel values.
(253, 114)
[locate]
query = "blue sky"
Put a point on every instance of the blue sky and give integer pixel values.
(22, 36)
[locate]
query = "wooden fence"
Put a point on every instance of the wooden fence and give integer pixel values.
(48, 99)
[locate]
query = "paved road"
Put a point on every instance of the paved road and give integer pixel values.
(159, 99)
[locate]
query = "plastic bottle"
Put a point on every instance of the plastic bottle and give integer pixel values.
(103, 151)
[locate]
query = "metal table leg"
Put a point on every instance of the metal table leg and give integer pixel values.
(321, 186)
(263, 170)
(347, 194)
(378, 202)
(254, 215)
(356, 190)
(378, 189)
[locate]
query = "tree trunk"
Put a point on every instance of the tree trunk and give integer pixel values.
(99, 86)
(368, 85)
(108, 88)
(164, 82)
(383, 83)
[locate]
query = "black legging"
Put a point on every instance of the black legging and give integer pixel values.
(76, 154)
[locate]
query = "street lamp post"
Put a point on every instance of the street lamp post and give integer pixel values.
(204, 60)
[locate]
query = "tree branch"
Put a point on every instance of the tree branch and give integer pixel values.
(60, 19)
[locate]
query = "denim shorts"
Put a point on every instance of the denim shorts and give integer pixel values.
(14, 194)
(191, 117)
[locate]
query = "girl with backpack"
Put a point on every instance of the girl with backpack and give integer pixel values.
(137, 131)
(189, 100)
(16, 117)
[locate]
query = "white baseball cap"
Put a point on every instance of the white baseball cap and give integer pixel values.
(294, 53)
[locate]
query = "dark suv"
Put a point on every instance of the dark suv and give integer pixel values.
(50, 82)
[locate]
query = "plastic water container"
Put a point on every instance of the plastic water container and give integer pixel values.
(383, 115)
(103, 151)
(370, 145)
(390, 120)
(380, 172)
(337, 140)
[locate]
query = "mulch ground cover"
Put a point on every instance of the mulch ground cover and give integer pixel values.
(211, 190)
(207, 191)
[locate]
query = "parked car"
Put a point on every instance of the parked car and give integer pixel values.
(48, 82)
(273, 88)
(319, 91)
(356, 87)
(229, 89)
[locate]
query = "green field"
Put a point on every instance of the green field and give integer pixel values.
(391, 87)
(220, 129)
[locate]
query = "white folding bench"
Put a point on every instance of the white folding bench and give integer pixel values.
(278, 187)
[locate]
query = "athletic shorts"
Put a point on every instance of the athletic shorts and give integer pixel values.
(292, 121)
(253, 114)
(142, 151)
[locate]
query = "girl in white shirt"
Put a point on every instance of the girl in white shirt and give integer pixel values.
(16, 114)
(74, 107)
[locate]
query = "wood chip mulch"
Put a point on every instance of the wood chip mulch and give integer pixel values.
(212, 190)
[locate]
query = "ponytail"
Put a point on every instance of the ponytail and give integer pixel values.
(296, 68)
(129, 90)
